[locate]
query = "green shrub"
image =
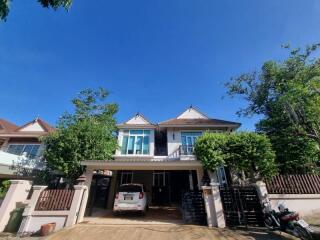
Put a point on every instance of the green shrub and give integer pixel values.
(245, 152)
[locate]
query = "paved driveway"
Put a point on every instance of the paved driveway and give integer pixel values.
(158, 232)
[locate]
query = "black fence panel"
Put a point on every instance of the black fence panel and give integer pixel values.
(193, 208)
(241, 206)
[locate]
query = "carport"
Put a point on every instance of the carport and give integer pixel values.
(164, 181)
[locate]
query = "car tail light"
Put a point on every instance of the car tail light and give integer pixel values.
(141, 195)
(117, 195)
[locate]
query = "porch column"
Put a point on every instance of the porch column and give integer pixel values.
(112, 189)
(199, 177)
(88, 174)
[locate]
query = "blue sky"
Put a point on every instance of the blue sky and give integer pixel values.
(154, 56)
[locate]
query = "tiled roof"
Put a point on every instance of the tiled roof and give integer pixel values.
(197, 122)
(46, 127)
(6, 126)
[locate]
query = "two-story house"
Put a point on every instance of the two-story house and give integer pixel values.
(20, 147)
(160, 156)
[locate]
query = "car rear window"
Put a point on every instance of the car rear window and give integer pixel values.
(130, 188)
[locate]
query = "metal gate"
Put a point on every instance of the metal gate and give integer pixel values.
(241, 206)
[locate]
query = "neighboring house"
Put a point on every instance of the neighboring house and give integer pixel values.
(20, 147)
(160, 156)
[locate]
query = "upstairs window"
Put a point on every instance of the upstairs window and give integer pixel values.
(31, 150)
(189, 138)
(135, 142)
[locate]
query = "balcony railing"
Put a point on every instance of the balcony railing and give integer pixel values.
(161, 151)
(186, 150)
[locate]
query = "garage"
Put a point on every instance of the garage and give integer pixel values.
(164, 187)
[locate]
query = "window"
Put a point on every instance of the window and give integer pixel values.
(126, 177)
(222, 175)
(130, 188)
(188, 140)
(31, 150)
(135, 142)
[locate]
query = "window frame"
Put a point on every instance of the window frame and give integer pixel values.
(136, 135)
(25, 145)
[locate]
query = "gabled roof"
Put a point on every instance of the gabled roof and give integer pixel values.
(34, 128)
(44, 125)
(6, 126)
(192, 117)
(138, 121)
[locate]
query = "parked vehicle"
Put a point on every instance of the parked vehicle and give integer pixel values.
(131, 197)
(286, 221)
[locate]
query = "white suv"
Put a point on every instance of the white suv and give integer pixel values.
(130, 197)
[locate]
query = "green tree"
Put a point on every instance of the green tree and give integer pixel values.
(87, 134)
(247, 153)
(287, 95)
(55, 4)
(210, 150)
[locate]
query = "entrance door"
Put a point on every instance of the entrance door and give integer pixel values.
(160, 189)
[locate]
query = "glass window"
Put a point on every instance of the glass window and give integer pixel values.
(124, 145)
(136, 132)
(136, 142)
(189, 138)
(131, 145)
(130, 188)
(15, 149)
(139, 144)
(146, 145)
(31, 150)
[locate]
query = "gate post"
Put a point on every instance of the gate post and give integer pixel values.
(262, 191)
(17, 193)
(208, 202)
(217, 206)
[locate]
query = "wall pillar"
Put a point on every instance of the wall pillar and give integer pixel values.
(113, 186)
(17, 193)
(217, 206)
(208, 201)
(262, 191)
(78, 204)
(27, 213)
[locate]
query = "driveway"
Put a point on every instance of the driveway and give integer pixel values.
(159, 232)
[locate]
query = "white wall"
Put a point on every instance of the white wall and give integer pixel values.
(173, 142)
(34, 127)
(151, 150)
(304, 204)
(38, 221)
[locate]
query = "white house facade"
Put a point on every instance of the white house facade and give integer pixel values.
(160, 156)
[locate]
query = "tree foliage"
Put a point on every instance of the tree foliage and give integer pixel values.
(245, 152)
(4, 187)
(87, 134)
(287, 95)
(55, 4)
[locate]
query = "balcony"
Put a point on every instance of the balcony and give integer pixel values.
(186, 150)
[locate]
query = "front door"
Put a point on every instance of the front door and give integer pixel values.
(160, 189)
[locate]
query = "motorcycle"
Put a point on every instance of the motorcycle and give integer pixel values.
(286, 221)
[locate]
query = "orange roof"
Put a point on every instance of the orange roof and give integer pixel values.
(6, 126)
(8, 129)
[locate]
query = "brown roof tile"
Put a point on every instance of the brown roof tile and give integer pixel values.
(6, 126)
(197, 122)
